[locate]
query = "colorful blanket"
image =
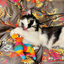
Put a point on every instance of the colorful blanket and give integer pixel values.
(48, 12)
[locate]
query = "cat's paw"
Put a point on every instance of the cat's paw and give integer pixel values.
(16, 31)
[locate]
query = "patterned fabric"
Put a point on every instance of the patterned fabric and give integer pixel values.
(1, 12)
(50, 12)
(55, 54)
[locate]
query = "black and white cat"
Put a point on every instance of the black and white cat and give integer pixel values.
(45, 36)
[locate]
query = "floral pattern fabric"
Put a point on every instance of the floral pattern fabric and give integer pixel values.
(48, 12)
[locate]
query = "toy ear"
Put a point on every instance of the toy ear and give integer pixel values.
(14, 36)
(28, 12)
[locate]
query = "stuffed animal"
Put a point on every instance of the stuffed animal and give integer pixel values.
(20, 48)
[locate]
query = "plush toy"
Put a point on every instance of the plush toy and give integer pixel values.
(20, 48)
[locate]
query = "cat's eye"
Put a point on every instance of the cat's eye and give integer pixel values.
(28, 21)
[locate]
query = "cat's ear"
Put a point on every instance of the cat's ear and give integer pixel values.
(28, 12)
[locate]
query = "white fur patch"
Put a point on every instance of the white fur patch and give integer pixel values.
(43, 38)
(35, 48)
(25, 22)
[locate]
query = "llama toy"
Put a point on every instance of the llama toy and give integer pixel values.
(20, 48)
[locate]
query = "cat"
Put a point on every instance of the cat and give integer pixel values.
(45, 36)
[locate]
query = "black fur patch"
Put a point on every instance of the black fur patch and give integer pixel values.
(22, 25)
(57, 34)
(31, 22)
(56, 31)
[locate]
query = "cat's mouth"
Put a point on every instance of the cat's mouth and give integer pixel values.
(25, 29)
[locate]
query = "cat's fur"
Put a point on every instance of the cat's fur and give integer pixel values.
(45, 36)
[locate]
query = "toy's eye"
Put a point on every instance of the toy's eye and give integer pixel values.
(19, 36)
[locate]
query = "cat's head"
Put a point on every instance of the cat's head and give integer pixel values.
(28, 21)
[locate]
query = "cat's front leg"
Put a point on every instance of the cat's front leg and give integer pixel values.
(17, 30)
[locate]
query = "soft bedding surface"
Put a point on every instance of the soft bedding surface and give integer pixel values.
(51, 12)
